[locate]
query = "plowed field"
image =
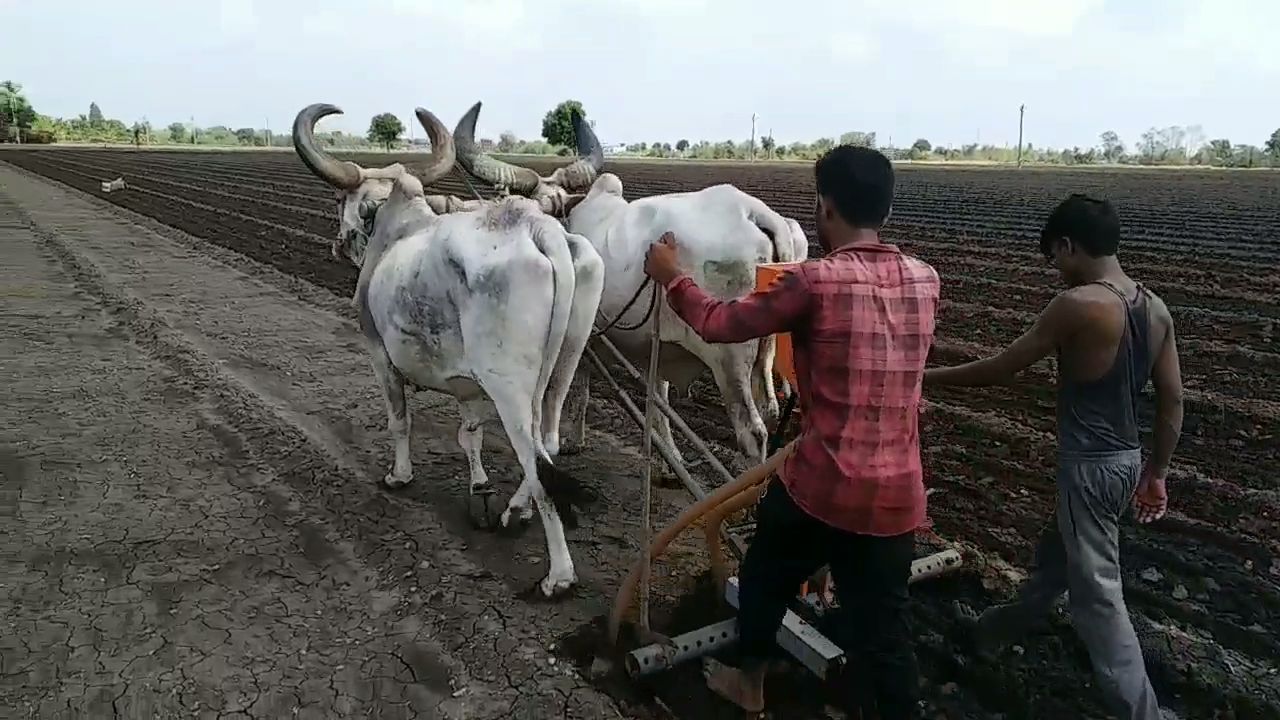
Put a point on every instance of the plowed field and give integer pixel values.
(1203, 584)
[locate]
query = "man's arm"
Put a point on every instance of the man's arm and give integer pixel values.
(1057, 322)
(1166, 377)
(777, 309)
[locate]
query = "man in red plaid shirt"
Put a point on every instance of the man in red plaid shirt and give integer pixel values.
(851, 494)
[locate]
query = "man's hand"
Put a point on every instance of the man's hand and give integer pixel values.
(661, 263)
(1151, 500)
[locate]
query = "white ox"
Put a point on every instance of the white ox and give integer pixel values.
(492, 305)
(723, 234)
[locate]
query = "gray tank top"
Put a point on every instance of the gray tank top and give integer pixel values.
(1102, 415)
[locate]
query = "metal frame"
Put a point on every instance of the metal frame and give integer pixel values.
(798, 637)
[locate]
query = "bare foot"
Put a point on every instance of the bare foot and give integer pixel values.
(734, 685)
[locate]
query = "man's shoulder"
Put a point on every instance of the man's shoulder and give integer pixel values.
(920, 267)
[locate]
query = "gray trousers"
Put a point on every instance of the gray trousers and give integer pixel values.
(1079, 552)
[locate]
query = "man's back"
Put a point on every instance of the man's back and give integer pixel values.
(860, 357)
(1106, 364)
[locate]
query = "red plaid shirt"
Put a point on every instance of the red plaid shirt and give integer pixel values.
(861, 321)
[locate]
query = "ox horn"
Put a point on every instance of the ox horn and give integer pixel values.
(579, 174)
(444, 151)
(341, 174)
(491, 170)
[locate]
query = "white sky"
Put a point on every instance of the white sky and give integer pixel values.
(952, 71)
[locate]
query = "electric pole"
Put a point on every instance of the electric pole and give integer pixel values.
(1022, 109)
(753, 137)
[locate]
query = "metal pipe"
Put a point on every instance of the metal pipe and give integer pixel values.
(670, 412)
(658, 443)
(935, 565)
(660, 656)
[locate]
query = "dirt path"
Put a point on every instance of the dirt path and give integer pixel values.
(192, 536)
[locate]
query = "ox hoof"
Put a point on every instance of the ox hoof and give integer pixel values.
(553, 587)
(479, 508)
(515, 529)
(395, 481)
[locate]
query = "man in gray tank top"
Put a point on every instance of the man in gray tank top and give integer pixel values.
(1111, 336)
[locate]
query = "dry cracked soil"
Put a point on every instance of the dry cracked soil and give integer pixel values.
(193, 524)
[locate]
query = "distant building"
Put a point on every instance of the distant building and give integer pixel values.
(615, 149)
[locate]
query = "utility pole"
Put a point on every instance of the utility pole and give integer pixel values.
(1022, 109)
(753, 137)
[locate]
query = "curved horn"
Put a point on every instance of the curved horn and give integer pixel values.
(582, 172)
(493, 171)
(443, 149)
(341, 174)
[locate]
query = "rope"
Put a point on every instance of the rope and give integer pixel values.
(650, 413)
(653, 302)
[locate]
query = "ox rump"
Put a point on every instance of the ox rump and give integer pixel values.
(492, 305)
(724, 234)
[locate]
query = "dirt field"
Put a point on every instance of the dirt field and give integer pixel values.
(191, 444)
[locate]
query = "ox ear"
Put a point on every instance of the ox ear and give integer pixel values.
(572, 201)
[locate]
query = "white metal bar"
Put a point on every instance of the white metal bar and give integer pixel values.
(800, 639)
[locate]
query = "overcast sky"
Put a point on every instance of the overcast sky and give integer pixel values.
(952, 71)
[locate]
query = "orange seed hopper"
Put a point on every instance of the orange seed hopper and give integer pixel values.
(783, 364)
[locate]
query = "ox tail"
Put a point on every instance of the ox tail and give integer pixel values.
(553, 246)
(775, 227)
(562, 488)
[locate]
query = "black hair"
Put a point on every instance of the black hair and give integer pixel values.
(858, 182)
(1091, 224)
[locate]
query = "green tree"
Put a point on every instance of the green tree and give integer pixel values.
(767, 145)
(858, 138)
(682, 145)
(1220, 151)
(177, 132)
(1112, 147)
(1273, 145)
(95, 115)
(385, 129)
(507, 142)
(557, 125)
(245, 136)
(14, 107)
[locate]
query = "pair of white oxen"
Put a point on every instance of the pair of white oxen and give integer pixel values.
(494, 301)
